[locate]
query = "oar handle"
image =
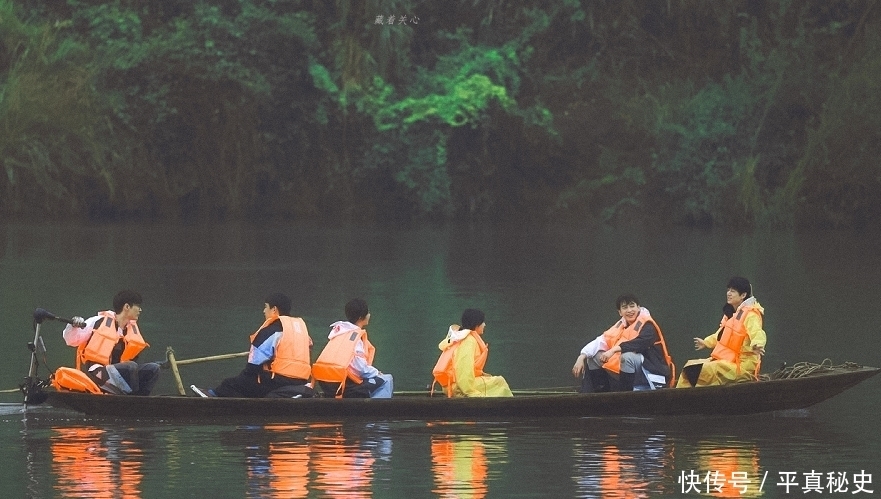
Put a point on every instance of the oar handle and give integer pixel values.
(169, 351)
(42, 314)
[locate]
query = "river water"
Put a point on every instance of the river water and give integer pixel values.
(545, 291)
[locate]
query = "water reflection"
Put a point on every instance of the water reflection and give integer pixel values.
(742, 457)
(571, 457)
(280, 468)
(621, 466)
(296, 460)
(96, 463)
(459, 465)
(726, 470)
(461, 457)
(343, 467)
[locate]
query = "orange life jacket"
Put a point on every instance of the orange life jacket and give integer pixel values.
(445, 370)
(292, 352)
(67, 378)
(620, 332)
(734, 334)
(334, 363)
(104, 339)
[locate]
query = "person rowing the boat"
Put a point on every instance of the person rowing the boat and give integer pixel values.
(108, 346)
(278, 361)
(630, 353)
(345, 367)
(737, 346)
(459, 370)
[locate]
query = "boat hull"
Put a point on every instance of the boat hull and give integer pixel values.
(738, 399)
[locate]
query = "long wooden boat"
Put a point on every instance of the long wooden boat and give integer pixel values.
(737, 399)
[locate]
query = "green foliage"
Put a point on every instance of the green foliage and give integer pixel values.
(425, 172)
(717, 112)
(191, 87)
(412, 133)
(454, 95)
(614, 188)
(836, 182)
(700, 137)
(321, 78)
(49, 131)
(710, 140)
(465, 101)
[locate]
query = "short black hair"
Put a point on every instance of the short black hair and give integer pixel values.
(626, 299)
(126, 297)
(280, 301)
(741, 285)
(356, 310)
(471, 318)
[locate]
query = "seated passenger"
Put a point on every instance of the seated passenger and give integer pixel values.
(345, 366)
(738, 344)
(463, 354)
(108, 346)
(278, 359)
(630, 353)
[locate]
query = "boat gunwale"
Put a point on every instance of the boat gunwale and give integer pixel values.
(736, 399)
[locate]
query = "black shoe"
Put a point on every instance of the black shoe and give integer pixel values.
(625, 381)
(599, 380)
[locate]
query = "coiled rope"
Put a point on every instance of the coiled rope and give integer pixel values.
(802, 369)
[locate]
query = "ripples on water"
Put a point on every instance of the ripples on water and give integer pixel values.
(69, 456)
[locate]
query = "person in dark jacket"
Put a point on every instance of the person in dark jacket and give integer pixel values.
(630, 353)
(278, 361)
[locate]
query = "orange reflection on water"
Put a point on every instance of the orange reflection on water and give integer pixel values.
(304, 460)
(620, 476)
(342, 468)
(288, 470)
(460, 466)
(285, 471)
(90, 462)
(621, 466)
(733, 471)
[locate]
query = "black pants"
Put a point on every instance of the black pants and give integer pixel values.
(249, 385)
(353, 390)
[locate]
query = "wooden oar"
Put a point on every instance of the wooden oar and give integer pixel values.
(212, 357)
(173, 363)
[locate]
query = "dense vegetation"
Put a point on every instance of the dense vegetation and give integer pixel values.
(722, 112)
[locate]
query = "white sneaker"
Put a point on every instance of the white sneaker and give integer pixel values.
(199, 392)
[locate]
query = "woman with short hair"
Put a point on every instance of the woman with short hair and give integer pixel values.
(463, 355)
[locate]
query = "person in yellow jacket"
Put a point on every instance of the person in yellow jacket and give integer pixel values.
(109, 344)
(737, 346)
(279, 362)
(463, 355)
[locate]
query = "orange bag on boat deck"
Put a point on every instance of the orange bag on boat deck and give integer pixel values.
(74, 380)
